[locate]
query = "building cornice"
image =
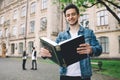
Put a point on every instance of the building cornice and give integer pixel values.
(98, 32)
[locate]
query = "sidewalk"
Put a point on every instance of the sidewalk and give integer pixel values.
(11, 69)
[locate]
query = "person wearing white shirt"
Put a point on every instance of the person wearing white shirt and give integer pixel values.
(82, 69)
(34, 59)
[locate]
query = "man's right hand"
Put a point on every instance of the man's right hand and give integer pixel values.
(45, 53)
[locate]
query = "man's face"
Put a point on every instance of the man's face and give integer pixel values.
(72, 16)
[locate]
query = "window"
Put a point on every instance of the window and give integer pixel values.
(43, 23)
(0, 33)
(30, 45)
(33, 6)
(22, 29)
(2, 5)
(12, 48)
(20, 47)
(23, 11)
(119, 13)
(14, 31)
(6, 32)
(84, 20)
(32, 26)
(2, 20)
(102, 18)
(15, 14)
(44, 4)
(104, 43)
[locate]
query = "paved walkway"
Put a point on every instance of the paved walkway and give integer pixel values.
(10, 69)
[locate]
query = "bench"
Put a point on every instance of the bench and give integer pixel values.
(99, 63)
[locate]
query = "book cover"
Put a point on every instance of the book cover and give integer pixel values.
(65, 52)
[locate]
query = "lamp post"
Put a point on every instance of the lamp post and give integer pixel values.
(26, 23)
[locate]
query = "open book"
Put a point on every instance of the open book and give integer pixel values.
(65, 52)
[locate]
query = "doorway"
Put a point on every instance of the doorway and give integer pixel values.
(4, 50)
(12, 48)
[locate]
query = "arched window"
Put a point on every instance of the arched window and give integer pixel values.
(14, 31)
(20, 47)
(102, 18)
(118, 13)
(32, 26)
(23, 11)
(44, 4)
(84, 20)
(105, 44)
(12, 48)
(0, 33)
(22, 29)
(43, 23)
(30, 45)
(15, 14)
(33, 7)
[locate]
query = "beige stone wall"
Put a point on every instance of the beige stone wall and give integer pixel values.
(113, 44)
(55, 24)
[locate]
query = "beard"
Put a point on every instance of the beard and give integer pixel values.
(74, 23)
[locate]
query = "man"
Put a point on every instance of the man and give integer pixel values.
(24, 57)
(34, 58)
(80, 70)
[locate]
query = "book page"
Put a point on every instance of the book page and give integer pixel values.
(69, 39)
(49, 41)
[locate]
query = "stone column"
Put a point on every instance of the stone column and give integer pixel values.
(53, 16)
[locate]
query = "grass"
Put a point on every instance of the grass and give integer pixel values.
(109, 67)
(46, 61)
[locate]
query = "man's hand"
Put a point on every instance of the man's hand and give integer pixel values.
(45, 53)
(84, 49)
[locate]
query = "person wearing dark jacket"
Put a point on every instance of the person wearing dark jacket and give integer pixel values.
(24, 57)
(34, 58)
(80, 70)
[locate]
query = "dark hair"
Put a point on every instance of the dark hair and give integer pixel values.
(69, 6)
(33, 47)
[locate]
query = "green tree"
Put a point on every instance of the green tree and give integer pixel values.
(111, 5)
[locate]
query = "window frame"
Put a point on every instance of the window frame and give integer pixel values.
(23, 11)
(20, 47)
(104, 41)
(22, 29)
(33, 7)
(43, 23)
(102, 18)
(14, 31)
(44, 4)
(15, 14)
(32, 26)
(83, 19)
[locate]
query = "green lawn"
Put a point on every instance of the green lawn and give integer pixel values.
(109, 67)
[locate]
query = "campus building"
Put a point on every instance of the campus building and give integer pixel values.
(23, 22)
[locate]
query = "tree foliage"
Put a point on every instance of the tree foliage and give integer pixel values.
(111, 5)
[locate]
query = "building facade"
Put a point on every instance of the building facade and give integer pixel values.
(23, 22)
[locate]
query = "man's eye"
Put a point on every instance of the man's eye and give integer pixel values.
(73, 14)
(67, 15)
